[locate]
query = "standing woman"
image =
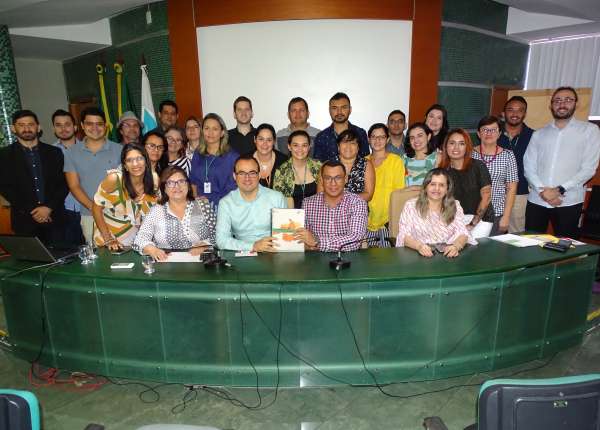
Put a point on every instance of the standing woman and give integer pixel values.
(154, 143)
(420, 155)
(269, 159)
(502, 165)
(176, 148)
(436, 119)
(213, 161)
(193, 131)
(360, 178)
(471, 179)
(123, 198)
(389, 176)
(298, 177)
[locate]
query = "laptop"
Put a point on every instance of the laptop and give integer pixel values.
(29, 248)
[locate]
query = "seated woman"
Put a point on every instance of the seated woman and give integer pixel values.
(154, 142)
(434, 219)
(176, 148)
(123, 198)
(420, 155)
(213, 161)
(298, 177)
(471, 180)
(269, 159)
(179, 221)
(389, 176)
(360, 178)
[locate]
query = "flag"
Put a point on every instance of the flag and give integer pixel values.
(147, 114)
(123, 98)
(103, 98)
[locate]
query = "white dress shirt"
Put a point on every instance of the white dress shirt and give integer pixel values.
(567, 157)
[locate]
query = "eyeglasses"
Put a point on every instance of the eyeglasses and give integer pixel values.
(174, 139)
(252, 174)
(379, 138)
(489, 130)
(336, 179)
(560, 100)
(154, 147)
(178, 183)
(137, 159)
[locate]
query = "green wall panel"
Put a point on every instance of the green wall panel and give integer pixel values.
(484, 14)
(467, 56)
(132, 24)
(465, 105)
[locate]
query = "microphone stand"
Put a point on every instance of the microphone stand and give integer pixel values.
(339, 263)
(214, 259)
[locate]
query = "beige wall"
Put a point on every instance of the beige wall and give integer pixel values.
(42, 89)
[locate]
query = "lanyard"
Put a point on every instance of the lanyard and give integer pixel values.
(208, 166)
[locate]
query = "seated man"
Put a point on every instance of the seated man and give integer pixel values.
(244, 215)
(335, 219)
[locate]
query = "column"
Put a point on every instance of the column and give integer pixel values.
(9, 89)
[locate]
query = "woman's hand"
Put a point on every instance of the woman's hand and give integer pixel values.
(156, 253)
(425, 250)
(198, 250)
(113, 244)
(451, 251)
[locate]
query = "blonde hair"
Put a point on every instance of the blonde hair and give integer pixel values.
(448, 211)
(223, 142)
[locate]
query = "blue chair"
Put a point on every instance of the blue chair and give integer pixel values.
(19, 410)
(567, 403)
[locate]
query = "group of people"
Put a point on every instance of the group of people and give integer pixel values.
(184, 188)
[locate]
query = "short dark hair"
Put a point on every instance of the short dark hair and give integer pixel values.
(297, 100)
(245, 157)
(410, 152)
(397, 112)
(488, 120)
(347, 135)
(164, 177)
(62, 112)
(565, 88)
(265, 126)
(339, 96)
(378, 125)
(168, 103)
(22, 114)
(519, 99)
(298, 133)
(92, 111)
(242, 99)
(332, 163)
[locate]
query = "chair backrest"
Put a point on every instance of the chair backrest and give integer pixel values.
(591, 217)
(397, 200)
(540, 404)
(19, 410)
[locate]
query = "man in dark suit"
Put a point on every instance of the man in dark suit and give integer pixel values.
(32, 180)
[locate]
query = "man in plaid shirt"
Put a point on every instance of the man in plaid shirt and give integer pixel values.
(335, 218)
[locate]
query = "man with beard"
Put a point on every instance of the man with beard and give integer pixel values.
(326, 141)
(31, 179)
(298, 115)
(65, 128)
(130, 128)
(168, 114)
(561, 157)
(396, 125)
(241, 137)
(516, 137)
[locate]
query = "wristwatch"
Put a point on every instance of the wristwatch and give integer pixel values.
(561, 190)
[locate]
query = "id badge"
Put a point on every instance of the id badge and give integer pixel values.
(207, 188)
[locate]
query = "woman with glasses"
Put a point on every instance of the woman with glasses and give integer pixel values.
(434, 221)
(360, 176)
(154, 143)
(176, 148)
(193, 131)
(179, 221)
(123, 198)
(389, 176)
(269, 159)
(213, 161)
(502, 165)
(436, 118)
(298, 177)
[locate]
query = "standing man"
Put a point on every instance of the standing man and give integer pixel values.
(86, 164)
(396, 125)
(561, 157)
(516, 137)
(241, 137)
(130, 128)
(168, 113)
(31, 180)
(65, 128)
(326, 141)
(244, 216)
(298, 115)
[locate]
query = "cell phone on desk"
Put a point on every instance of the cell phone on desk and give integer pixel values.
(122, 250)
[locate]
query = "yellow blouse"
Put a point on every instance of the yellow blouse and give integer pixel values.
(389, 176)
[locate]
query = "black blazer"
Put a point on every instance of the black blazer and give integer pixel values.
(16, 183)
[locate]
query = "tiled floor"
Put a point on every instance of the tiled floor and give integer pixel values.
(347, 408)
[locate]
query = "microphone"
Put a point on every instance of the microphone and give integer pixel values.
(338, 263)
(214, 259)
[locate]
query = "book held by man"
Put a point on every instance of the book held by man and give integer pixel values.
(284, 223)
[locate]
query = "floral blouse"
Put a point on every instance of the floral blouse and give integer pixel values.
(284, 177)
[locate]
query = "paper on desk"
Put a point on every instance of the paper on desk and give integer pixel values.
(513, 239)
(182, 257)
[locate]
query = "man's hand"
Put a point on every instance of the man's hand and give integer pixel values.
(41, 214)
(264, 245)
(556, 202)
(550, 193)
(305, 236)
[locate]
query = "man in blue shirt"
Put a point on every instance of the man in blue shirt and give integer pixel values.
(244, 215)
(326, 141)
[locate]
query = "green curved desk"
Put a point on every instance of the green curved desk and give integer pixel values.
(413, 318)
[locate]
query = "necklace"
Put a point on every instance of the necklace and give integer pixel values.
(486, 155)
(265, 166)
